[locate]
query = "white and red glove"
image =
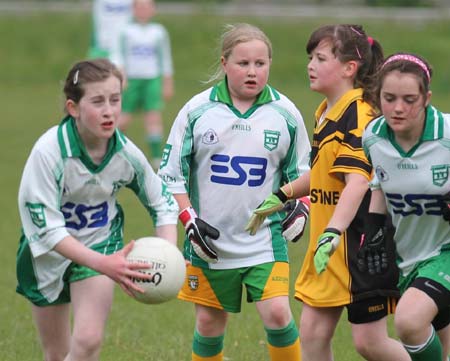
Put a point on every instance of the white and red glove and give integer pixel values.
(199, 233)
(294, 223)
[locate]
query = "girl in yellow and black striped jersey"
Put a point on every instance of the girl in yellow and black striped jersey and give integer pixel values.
(342, 61)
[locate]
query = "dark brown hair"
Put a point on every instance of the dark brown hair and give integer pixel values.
(350, 42)
(406, 63)
(88, 71)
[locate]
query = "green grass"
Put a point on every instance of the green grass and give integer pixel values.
(37, 51)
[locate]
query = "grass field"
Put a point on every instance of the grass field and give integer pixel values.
(37, 51)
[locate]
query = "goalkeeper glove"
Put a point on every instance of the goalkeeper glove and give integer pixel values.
(445, 206)
(372, 256)
(295, 222)
(271, 204)
(199, 232)
(326, 245)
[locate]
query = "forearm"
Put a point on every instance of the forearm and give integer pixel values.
(168, 232)
(74, 250)
(349, 202)
(168, 87)
(377, 202)
(297, 188)
(182, 200)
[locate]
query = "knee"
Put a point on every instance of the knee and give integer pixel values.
(406, 326)
(211, 323)
(363, 346)
(314, 332)
(277, 315)
(87, 342)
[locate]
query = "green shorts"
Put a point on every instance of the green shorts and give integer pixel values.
(145, 94)
(46, 280)
(222, 289)
(436, 268)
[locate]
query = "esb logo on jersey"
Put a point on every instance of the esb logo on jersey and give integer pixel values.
(238, 170)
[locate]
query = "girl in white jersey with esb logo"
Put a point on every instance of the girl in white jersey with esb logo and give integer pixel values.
(70, 252)
(144, 54)
(108, 19)
(409, 148)
(228, 147)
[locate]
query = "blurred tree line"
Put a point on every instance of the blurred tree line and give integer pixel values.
(384, 3)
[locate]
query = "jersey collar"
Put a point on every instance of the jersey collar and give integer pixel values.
(433, 129)
(72, 147)
(220, 93)
(335, 113)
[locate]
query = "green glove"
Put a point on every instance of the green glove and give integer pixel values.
(326, 245)
(271, 204)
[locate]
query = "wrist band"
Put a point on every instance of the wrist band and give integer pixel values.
(187, 214)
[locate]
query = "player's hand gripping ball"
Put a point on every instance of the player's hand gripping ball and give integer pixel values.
(167, 267)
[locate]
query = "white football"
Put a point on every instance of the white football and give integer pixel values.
(167, 267)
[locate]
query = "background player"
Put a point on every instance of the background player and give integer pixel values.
(409, 149)
(145, 55)
(342, 62)
(228, 145)
(70, 250)
(108, 18)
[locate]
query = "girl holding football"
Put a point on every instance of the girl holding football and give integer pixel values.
(71, 251)
(408, 147)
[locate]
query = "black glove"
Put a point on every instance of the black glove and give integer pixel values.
(372, 256)
(199, 232)
(445, 206)
(294, 223)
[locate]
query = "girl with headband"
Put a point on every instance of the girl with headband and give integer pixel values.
(409, 149)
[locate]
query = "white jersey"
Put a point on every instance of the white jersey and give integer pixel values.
(413, 184)
(144, 51)
(109, 17)
(229, 162)
(62, 193)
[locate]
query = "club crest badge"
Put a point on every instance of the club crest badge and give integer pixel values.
(271, 139)
(193, 282)
(210, 137)
(37, 214)
(165, 155)
(440, 174)
(381, 174)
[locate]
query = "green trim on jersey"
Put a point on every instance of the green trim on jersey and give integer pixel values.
(433, 130)
(221, 94)
(71, 145)
(188, 143)
(136, 186)
(290, 173)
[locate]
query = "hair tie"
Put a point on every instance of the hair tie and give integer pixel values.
(355, 31)
(75, 77)
(370, 40)
(410, 58)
